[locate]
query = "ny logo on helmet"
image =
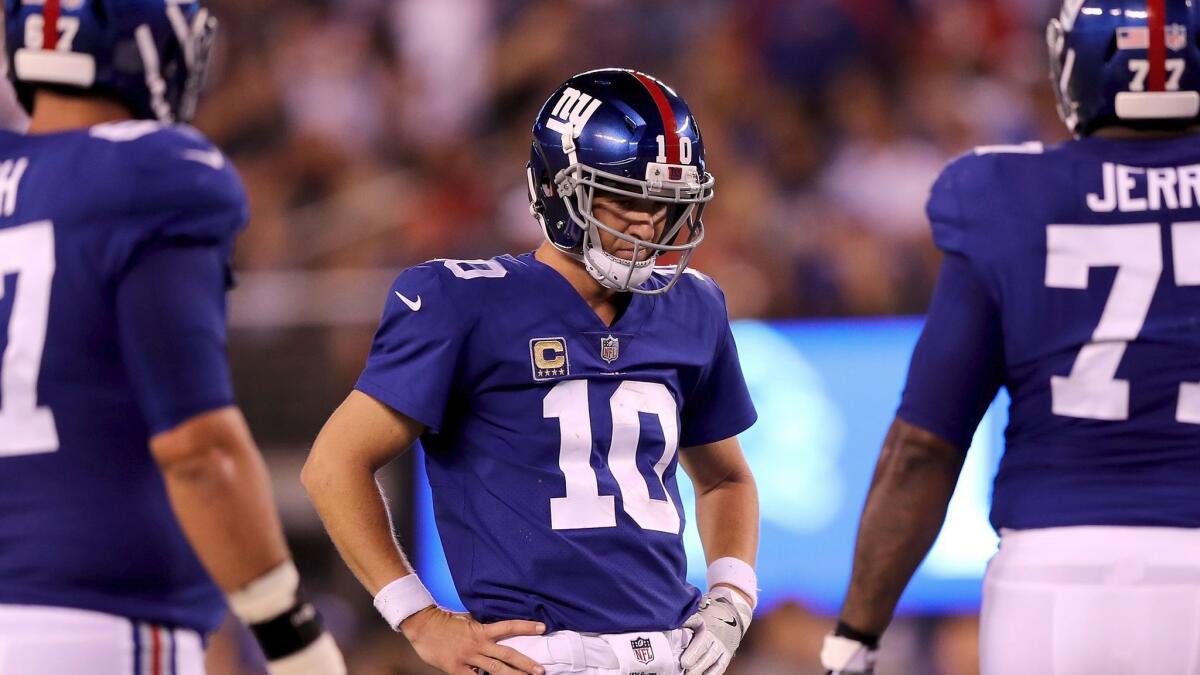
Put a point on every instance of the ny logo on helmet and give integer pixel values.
(572, 112)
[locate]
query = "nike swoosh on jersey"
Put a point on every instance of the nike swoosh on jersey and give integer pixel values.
(210, 158)
(414, 305)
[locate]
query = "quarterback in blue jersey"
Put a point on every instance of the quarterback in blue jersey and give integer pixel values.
(1072, 279)
(556, 394)
(134, 506)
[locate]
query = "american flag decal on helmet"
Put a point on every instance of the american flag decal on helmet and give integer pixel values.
(1138, 37)
(1133, 37)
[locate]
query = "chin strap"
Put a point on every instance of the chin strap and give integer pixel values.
(613, 272)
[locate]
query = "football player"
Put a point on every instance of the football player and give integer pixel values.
(1072, 278)
(555, 394)
(134, 505)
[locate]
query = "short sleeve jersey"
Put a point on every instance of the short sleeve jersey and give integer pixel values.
(84, 516)
(1090, 253)
(553, 439)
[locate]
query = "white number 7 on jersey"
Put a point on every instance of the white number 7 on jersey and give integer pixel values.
(26, 428)
(1092, 390)
(1185, 241)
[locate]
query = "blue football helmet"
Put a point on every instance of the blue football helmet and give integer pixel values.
(623, 133)
(1126, 62)
(151, 55)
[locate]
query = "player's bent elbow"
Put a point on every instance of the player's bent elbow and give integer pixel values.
(313, 476)
(911, 450)
(320, 471)
(206, 448)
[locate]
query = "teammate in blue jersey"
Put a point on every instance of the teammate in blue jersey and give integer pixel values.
(133, 503)
(556, 394)
(1071, 278)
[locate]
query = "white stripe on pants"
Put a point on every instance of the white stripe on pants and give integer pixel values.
(1093, 601)
(61, 641)
(567, 652)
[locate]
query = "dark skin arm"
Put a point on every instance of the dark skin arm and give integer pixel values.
(914, 479)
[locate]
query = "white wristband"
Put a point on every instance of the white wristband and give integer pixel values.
(268, 596)
(401, 599)
(736, 573)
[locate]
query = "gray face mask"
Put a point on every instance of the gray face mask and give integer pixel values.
(577, 186)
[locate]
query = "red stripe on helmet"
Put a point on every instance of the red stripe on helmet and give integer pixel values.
(668, 116)
(50, 15)
(1156, 21)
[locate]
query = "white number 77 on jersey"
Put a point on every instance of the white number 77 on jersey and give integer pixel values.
(1092, 390)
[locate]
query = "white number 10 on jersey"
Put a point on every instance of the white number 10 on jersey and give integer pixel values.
(584, 506)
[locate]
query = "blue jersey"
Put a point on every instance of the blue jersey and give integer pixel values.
(1079, 268)
(553, 439)
(114, 243)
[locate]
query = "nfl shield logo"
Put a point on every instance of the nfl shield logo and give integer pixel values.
(1176, 37)
(642, 651)
(610, 348)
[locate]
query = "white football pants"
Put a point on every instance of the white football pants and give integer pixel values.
(566, 652)
(1093, 601)
(58, 641)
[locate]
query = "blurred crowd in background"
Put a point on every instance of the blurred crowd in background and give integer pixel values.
(375, 134)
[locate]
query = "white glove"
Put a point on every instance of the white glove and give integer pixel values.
(844, 656)
(717, 630)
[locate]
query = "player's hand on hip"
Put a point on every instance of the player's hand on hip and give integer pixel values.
(458, 645)
(717, 630)
(846, 656)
